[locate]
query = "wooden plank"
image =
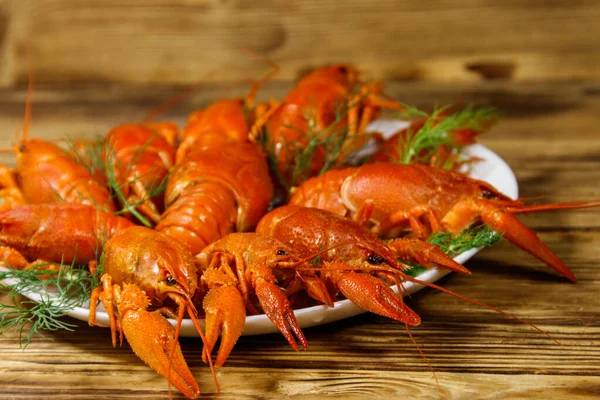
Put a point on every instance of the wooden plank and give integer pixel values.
(365, 355)
(199, 40)
(534, 113)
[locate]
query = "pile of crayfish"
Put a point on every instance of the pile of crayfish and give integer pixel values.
(251, 208)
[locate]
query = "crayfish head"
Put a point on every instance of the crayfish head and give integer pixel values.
(155, 262)
(268, 251)
(25, 148)
(177, 277)
(371, 256)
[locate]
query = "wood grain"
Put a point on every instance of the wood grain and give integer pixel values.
(187, 41)
(549, 136)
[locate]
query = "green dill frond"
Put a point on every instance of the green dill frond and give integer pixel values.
(455, 244)
(300, 154)
(410, 112)
(418, 146)
(416, 269)
(59, 291)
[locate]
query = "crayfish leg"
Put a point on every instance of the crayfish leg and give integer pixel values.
(142, 199)
(108, 294)
(10, 194)
(316, 288)
(10, 257)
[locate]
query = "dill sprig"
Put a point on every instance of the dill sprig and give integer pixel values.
(417, 146)
(455, 244)
(416, 269)
(59, 292)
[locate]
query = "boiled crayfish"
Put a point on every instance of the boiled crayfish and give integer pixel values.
(353, 258)
(393, 198)
(330, 104)
(221, 181)
(146, 273)
(47, 174)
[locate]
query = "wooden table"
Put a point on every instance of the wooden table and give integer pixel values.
(550, 137)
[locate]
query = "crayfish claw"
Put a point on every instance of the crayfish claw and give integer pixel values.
(225, 311)
(425, 253)
(517, 233)
(152, 338)
(278, 308)
(371, 293)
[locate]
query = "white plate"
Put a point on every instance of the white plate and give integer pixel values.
(492, 169)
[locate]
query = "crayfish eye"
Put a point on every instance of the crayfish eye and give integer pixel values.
(22, 148)
(342, 69)
(375, 259)
(281, 252)
(486, 194)
(171, 281)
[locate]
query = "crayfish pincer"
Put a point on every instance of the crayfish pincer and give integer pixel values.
(146, 273)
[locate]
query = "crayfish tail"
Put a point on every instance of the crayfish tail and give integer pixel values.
(520, 235)
(225, 312)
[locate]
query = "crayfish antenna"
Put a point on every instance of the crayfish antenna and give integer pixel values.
(192, 314)
(178, 98)
(168, 104)
(27, 121)
(422, 353)
(274, 70)
(568, 205)
(520, 235)
(482, 304)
